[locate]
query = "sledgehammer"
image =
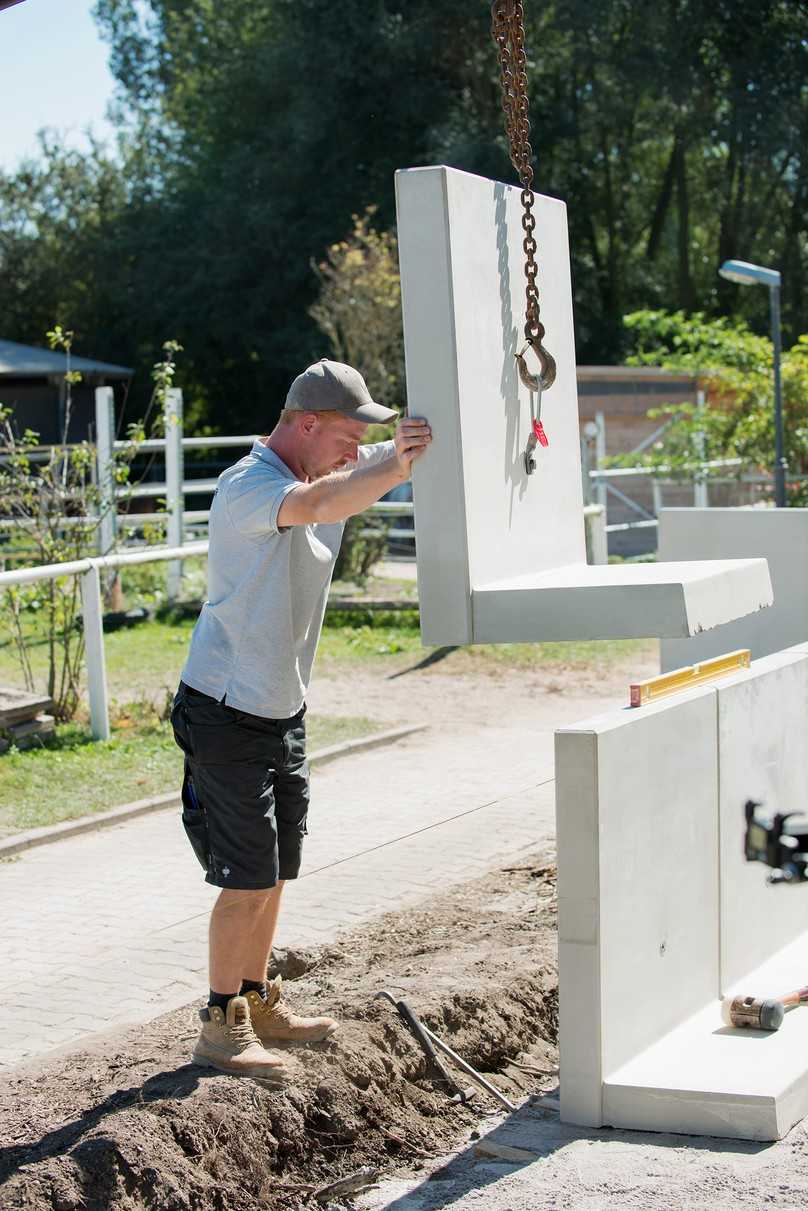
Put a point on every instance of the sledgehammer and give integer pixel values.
(759, 1014)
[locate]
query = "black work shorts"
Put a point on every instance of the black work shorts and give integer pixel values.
(245, 790)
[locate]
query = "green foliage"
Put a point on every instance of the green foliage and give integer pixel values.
(363, 545)
(736, 370)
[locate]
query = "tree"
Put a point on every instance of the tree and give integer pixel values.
(253, 130)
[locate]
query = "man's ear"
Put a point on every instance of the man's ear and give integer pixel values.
(308, 422)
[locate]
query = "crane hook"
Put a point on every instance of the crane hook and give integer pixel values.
(547, 367)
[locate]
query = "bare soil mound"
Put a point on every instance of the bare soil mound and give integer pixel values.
(128, 1123)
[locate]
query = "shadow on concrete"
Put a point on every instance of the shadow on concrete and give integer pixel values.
(540, 1132)
(431, 658)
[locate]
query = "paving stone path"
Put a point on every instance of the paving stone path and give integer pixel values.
(111, 927)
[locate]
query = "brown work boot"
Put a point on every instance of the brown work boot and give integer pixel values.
(274, 1022)
(227, 1041)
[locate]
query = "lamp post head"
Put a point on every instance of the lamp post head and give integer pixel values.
(749, 275)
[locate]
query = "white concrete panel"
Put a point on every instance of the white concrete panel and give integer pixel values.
(706, 1078)
(637, 859)
(481, 520)
(660, 915)
(618, 601)
(479, 516)
(763, 753)
(778, 535)
(577, 840)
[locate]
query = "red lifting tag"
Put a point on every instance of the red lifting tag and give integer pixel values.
(541, 436)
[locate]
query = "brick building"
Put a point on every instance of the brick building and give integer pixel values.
(624, 394)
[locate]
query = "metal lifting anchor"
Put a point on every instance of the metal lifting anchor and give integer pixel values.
(537, 436)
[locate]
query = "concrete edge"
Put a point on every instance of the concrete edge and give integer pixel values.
(143, 807)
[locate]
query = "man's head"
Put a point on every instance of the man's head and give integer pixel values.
(325, 416)
(322, 441)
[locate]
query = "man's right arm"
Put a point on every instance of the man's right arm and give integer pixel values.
(339, 496)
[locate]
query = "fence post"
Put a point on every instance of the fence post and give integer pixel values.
(656, 490)
(175, 474)
(600, 458)
(104, 448)
(598, 544)
(700, 490)
(92, 613)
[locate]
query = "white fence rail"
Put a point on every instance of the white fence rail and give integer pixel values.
(92, 610)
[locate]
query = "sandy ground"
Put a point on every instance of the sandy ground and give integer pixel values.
(126, 1122)
(462, 691)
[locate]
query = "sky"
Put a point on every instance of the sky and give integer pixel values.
(53, 72)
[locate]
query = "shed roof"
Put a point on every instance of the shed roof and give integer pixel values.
(28, 361)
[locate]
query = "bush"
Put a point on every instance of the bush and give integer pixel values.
(363, 545)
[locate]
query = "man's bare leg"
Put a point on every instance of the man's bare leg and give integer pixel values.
(241, 934)
(242, 926)
(239, 925)
(263, 935)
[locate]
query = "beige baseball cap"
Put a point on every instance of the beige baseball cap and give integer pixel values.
(332, 386)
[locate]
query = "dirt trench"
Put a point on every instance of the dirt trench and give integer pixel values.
(128, 1123)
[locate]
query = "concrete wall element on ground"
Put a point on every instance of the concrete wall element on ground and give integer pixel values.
(767, 763)
(778, 535)
(660, 915)
(637, 836)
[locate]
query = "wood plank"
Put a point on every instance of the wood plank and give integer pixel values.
(16, 706)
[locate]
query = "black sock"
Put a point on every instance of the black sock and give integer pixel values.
(258, 986)
(220, 999)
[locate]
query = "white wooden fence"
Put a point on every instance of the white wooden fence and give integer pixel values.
(92, 610)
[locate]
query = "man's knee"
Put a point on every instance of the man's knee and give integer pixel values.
(250, 902)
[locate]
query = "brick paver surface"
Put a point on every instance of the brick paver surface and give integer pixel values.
(110, 927)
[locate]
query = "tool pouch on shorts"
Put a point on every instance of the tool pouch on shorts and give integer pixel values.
(195, 820)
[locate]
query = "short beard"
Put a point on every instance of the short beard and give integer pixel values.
(313, 473)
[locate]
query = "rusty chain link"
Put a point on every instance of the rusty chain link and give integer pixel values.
(508, 32)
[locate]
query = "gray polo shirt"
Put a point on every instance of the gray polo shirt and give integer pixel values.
(255, 640)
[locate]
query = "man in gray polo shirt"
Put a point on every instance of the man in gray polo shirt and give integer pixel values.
(276, 525)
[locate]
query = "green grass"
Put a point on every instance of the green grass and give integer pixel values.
(75, 777)
(582, 653)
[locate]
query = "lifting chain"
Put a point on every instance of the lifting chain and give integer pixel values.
(508, 32)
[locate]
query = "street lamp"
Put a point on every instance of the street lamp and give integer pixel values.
(756, 275)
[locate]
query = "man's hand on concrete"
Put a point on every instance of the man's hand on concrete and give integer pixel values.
(413, 435)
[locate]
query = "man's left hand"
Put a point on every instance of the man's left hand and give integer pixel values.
(413, 435)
